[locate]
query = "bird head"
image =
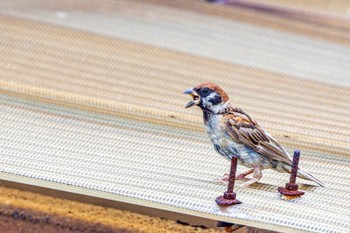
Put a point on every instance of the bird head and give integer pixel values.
(207, 96)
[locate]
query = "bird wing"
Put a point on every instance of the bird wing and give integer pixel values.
(243, 129)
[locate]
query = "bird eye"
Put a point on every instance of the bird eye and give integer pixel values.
(205, 90)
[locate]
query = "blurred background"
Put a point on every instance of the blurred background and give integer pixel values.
(93, 111)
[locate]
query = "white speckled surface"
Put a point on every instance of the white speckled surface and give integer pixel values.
(102, 116)
(162, 165)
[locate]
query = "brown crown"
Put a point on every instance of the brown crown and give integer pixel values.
(215, 88)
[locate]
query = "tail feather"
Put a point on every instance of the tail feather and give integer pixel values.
(305, 175)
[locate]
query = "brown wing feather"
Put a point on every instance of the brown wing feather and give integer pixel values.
(244, 130)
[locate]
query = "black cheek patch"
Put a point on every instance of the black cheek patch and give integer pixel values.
(216, 100)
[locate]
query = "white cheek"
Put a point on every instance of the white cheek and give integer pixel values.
(206, 102)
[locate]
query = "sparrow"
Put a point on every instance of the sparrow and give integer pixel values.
(235, 134)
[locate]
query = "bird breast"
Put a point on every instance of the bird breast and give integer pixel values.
(217, 134)
(213, 126)
(227, 147)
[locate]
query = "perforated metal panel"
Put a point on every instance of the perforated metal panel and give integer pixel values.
(105, 117)
(150, 164)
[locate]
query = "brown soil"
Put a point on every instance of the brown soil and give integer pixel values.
(28, 212)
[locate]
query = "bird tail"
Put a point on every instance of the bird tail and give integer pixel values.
(306, 175)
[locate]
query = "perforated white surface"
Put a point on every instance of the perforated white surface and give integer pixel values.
(170, 167)
(125, 135)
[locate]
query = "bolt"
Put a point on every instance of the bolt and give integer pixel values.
(294, 171)
(291, 188)
(229, 197)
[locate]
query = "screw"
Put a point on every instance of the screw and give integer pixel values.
(229, 197)
(291, 189)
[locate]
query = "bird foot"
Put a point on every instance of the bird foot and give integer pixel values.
(226, 177)
(241, 177)
(249, 182)
(257, 174)
(223, 180)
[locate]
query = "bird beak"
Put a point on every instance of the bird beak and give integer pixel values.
(196, 100)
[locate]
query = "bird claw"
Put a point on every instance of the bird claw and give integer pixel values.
(249, 182)
(223, 180)
(240, 177)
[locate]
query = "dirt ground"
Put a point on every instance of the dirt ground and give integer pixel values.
(28, 212)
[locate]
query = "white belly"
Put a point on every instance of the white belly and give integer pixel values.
(227, 147)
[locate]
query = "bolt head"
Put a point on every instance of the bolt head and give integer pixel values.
(288, 192)
(291, 186)
(222, 201)
(230, 196)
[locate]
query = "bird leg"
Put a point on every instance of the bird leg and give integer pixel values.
(257, 174)
(256, 177)
(244, 174)
(241, 176)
